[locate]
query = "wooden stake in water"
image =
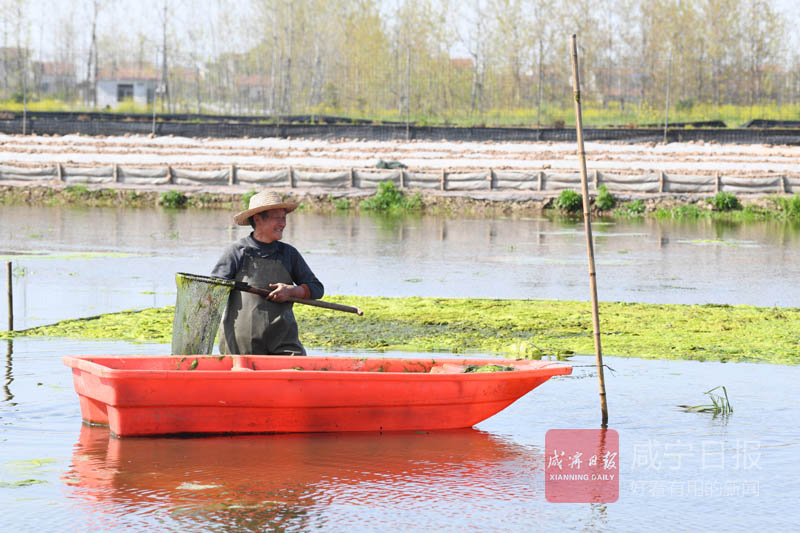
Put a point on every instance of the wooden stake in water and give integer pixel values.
(576, 85)
(10, 297)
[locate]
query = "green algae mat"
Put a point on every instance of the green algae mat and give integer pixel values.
(516, 328)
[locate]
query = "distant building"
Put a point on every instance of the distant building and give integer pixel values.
(126, 84)
(56, 78)
(461, 63)
(252, 87)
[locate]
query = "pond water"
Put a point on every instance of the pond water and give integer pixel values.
(71, 263)
(678, 470)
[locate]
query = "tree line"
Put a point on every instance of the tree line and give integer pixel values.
(436, 60)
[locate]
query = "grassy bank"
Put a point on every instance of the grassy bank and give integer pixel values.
(515, 328)
(396, 201)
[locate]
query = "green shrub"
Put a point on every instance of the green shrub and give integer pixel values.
(636, 207)
(390, 198)
(725, 201)
(683, 211)
(569, 201)
(631, 209)
(414, 203)
(77, 190)
(605, 200)
(246, 198)
(342, 204)
(172, 199)
(790, 207)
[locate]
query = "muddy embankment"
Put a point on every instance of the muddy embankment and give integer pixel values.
(677, 160)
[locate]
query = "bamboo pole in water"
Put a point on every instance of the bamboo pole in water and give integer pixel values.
(576, 84)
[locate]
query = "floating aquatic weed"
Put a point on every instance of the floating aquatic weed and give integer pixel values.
(414, 324)
(28, 464)
(21, 483)
(720, 405)
(712, 242)
(487, 368)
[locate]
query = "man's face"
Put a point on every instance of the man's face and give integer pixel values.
(272, 223)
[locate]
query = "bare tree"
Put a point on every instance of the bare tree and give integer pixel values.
(474, 39)
(762, 33)
(95, 7)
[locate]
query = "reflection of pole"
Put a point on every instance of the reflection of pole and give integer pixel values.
(9, 374)
(588, 225)
(10, 297)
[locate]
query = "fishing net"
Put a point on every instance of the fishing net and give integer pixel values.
(198, 309)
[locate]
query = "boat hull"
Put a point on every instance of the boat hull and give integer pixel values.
(160, 395)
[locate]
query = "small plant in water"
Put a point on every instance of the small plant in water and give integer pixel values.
(77, 190)
(390, 198)
(342, 204)
(569, 201)
(605, 200)
(789, 207)
(172, 199)
(725, 201)
(682, 211)
(631, 209)
(246, 198)
(719, 406)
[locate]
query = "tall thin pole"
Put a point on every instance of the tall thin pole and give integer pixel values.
(576, 84)
(10, 297)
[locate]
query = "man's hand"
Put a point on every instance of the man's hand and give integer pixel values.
(283, 291)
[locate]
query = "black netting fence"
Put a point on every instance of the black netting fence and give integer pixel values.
(100, 124)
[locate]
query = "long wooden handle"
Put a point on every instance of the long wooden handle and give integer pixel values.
(244, 287)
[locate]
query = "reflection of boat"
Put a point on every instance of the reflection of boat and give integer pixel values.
(157, 395)
(292, 481)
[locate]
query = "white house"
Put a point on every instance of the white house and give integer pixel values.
(125, 86)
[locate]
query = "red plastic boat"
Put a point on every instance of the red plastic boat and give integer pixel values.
(160, 395)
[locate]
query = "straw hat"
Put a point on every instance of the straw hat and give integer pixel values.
(263, 201)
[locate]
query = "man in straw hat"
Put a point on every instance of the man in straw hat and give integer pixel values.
(253, 324)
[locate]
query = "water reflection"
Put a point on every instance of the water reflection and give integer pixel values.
(291, 481)
(9, 375)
